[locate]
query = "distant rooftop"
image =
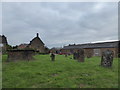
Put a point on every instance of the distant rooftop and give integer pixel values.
(93, 45)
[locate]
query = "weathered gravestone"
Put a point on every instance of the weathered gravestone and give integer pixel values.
(107, 58)
(74, 55)
(15, 55)
(52, 57)
(80, 55)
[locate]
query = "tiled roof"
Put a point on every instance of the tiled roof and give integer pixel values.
(22, 46)
(38, 39)
(93, 45)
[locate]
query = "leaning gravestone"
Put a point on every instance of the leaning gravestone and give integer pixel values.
(107, 58)
(80, 55)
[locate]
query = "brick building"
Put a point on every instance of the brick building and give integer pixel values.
(92, 49)
(37, 44)
(22, 46)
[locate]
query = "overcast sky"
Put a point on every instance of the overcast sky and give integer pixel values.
(60, 23)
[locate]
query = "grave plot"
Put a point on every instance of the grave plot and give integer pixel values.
(15, 55)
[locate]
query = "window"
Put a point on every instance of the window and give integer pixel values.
(1, 45)
(96, 52)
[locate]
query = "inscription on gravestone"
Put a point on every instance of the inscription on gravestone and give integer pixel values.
(107, 58)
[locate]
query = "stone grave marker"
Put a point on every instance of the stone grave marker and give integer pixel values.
(107, 58)
(74, 55)
(16, 55)
(80, 55)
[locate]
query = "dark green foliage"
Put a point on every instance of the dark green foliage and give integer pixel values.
(47, 49)
(15, 47)
(9, 47)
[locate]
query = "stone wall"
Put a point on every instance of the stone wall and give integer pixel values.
(88, 52)
(65, 50)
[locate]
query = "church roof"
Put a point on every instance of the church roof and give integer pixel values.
(36, 39)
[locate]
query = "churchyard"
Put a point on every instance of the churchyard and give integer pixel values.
(64, 72)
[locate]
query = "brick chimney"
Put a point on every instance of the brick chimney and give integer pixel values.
(37, 34)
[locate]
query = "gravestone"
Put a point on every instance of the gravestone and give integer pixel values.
(107, 58)
(74, 55)
(80, 55)
(16, 55)
(52, 57)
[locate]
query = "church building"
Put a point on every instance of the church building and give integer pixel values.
(37, 44)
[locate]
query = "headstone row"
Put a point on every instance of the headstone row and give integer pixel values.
(106, 59)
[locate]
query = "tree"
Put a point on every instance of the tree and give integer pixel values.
(46, 49)
(9, 47)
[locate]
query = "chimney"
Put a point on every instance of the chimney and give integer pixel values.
(37, 35)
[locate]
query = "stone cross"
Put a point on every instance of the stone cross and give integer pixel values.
(107, 58)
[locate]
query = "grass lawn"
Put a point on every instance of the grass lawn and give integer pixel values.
(63, 73)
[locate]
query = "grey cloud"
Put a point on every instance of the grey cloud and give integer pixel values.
(60, 23)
